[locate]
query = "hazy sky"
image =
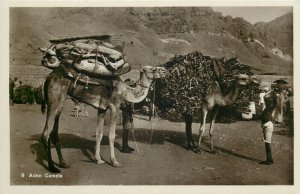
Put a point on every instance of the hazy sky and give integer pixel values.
(254, 14)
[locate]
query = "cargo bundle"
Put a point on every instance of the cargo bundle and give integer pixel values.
(190, 79)
(94, 56)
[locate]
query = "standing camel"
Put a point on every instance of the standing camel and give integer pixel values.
(212, 102)
(107, 95)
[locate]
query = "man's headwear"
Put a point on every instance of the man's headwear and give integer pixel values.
(266, 89)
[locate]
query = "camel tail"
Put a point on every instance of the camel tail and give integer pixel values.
(45, 96)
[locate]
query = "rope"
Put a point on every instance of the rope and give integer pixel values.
(153, 105)
(77, 78)
(96, 57)
(151, 128)
(149, 143)
(87, 83)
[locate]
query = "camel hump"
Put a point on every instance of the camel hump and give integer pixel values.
(218, 68)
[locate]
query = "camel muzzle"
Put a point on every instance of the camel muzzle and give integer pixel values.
(163, 72)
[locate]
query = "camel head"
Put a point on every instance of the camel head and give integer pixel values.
(154, 72)
(242, 79)
(49, 57)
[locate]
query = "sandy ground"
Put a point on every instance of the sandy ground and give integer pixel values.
(163, 161)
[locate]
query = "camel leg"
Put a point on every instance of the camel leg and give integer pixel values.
(188, 129)
(77, 112)
(112, 131)
(202, 127)
(56, 93)
(211, 130)
(99, 135)
(55, 140)
(46, 139)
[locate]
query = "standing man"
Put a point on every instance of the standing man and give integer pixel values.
(261, 98)
(270, 99)
(127, 120)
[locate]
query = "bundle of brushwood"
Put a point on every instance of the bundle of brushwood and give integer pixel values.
(89, 55)
(190, 79)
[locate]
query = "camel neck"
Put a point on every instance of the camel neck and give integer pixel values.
(231, 97)
(136, 94)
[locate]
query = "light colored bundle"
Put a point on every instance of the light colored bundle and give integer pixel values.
(90, 56)
(92, 48)
(93, 66)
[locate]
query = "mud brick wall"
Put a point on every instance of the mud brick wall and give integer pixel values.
(29, 74)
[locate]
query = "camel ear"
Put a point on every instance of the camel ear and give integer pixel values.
(254, 80)
(42, 49)
(152, 68)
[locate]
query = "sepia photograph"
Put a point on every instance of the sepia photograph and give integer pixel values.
(151, 95)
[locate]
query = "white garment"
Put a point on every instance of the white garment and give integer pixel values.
(261, 100)
(252, 107)
(267, 131)
(250, 114)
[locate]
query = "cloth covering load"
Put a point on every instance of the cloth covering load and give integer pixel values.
(94, 56)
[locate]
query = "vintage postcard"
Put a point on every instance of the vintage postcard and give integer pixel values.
(167, 97)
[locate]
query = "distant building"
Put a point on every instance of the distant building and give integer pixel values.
(33, 75)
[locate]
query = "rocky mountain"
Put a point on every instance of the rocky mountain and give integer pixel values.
(153, 35)
(278, 33)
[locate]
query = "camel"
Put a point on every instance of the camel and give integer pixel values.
(80, 110)
(213, 101)
(108, 95)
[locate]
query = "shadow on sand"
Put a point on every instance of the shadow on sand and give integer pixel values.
(142, 135)
(286, 133)
(67, 141)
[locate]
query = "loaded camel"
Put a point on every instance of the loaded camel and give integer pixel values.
(108, 95)
(212, 102)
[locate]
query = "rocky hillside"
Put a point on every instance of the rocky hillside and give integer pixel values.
(153, 35)
(278, 33)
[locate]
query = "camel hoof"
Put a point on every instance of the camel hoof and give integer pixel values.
(188, 148)
(100, 161)
(53, 169)
(197, 150)
(64, 165)
(116, 164)
(214, 152)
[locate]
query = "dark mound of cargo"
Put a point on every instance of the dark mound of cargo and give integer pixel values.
(190, 79)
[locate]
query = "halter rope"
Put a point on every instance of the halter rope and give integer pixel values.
(149, 143)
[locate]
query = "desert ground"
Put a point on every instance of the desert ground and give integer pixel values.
(160, 160)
